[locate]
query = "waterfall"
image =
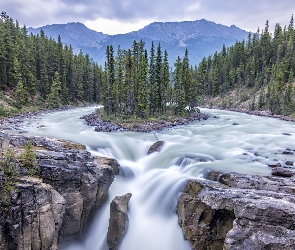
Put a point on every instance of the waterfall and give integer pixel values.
(157, 180)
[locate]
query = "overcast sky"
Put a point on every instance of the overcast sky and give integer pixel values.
(122, 16)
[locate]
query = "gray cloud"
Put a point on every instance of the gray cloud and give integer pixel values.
(248, 15)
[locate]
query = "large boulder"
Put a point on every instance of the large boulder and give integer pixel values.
(113, 163)
(282, 172)
(118, 222)
(156, 147)
(232, 211)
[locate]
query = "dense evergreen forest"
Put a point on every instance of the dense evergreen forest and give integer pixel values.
(142, 86)
(264, 63)
(139, 82)
(37, 70)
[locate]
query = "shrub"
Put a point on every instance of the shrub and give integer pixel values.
(29, 161)
(8, 164)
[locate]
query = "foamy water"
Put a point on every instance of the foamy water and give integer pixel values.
(156, 180)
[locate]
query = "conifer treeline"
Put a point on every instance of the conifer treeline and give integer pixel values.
(136, 84)
(264, 61)
(38, 69)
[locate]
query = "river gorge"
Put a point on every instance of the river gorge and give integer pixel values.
(228, 142)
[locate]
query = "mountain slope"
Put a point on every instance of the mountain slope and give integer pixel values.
(201, 37)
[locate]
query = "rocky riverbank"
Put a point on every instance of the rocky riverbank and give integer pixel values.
(94, 119)
(234, 211)
(37, 212)
(264, 113)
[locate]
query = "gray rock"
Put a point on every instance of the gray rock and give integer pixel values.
(277, 165)
(156, 147)
(83, 183)
(113, 163)
(281, 172)
(118, 222)
(233, 211)
(35, 216)
(73, 174)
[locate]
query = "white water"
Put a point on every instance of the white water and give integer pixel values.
(156, 180)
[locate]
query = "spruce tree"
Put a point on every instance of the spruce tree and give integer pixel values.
(53, 97)
(288, 100)
(151, 86)
(142, 96)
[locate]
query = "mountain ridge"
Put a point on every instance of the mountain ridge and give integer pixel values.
(201, 37)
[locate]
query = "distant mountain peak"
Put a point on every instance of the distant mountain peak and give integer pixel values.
(201, 37)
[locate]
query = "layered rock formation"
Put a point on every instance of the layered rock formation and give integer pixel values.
(34, 217)
(233, 211)
(56, 205)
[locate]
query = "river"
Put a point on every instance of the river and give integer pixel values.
(227, 141)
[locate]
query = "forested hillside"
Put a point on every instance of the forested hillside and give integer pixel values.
(36, 70)
(256, 74)
(260, 71)
(39, 71)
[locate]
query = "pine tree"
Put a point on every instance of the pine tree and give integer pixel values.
(151, 86)
(158, 102)
(288, 100)
(121, 88)
(53, 97)
(261, 101)
(187, 83)
(142, 96)
(21, 94)
(165, 82)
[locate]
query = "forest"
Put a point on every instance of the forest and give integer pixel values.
(265, 63)
(38, 71)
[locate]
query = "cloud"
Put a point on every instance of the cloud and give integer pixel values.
(248, 14)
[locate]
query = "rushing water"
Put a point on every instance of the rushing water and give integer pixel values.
(156, 180)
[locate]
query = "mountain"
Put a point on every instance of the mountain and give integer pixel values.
(201, 37)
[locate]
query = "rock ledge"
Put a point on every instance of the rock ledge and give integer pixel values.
(233, 211)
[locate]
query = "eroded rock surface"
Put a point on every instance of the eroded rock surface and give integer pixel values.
(113, 163)
(118, 222)
(77, 181)
(233, 211)
(34, 217)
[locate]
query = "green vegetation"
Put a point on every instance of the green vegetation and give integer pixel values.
(140, 86)
(11, 165)
(36, 71)
(129, 121)
(29, 161)
(258, 71)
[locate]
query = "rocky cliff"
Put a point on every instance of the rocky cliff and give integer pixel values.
(55, 205)
(233, 211)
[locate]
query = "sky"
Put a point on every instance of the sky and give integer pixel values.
(122, 16)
